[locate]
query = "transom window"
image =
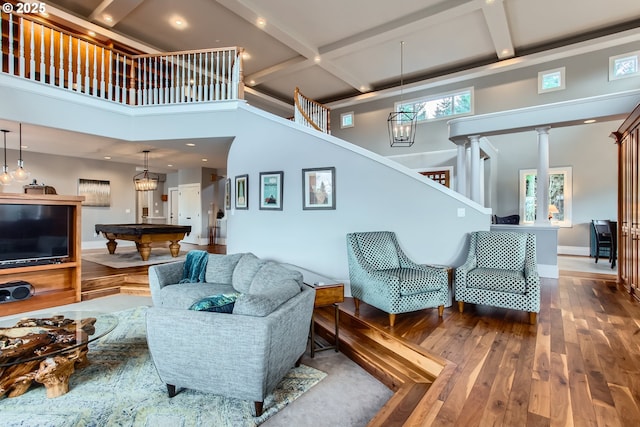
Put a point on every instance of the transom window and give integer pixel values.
(435, 107)
(625, 65)
(551, 80)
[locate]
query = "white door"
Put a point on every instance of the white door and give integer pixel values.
(190, 211)
(173, 205)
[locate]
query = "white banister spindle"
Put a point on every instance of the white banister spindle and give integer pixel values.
(87, 81)
(117, 86)
(156, 81)
(21, 60)
(199, 97)
(145, 77)
(110, 75)
(139, 84)
(182, 67)
(43, 68)
(103, 83)
(124, 80)
(52, 58)
(188, 81)
(61, 61)
(174, 80)
(70, 70)
(94, 81)
(229, 79)
(10, 55)
(32, 53)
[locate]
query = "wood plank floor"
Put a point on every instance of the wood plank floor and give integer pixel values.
(579, 366)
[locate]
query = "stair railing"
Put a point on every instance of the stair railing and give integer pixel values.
(310, 113)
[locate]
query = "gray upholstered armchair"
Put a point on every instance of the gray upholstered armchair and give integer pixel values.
(382, 275)
(500, 271)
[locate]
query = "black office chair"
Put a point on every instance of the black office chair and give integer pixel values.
(602, 228)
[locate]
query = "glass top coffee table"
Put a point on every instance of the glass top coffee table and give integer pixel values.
(47, 348)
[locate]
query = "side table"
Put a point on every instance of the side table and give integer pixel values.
(327, 295)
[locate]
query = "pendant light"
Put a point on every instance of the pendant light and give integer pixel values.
(5, 178)
(20, 174)
(402, 124)
(146, 181)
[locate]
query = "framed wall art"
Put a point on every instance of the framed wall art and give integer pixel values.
(95, 192)
(319, 188)
(227, 194)
(271, 190)
(242, 192)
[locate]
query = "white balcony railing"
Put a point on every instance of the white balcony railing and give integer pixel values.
(54, 57)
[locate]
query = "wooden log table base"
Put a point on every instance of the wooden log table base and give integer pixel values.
(32, 340)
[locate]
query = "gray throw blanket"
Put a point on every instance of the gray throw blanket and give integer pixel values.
(195, 267)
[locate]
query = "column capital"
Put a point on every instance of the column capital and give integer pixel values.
(543, 129)
(473, 138)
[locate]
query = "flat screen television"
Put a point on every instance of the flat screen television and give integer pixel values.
(34, 234)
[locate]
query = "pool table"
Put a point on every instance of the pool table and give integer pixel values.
(144, 235)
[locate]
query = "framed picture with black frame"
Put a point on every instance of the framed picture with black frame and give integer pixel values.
(271, 190)
(242, 192)
(227, 194)
(319, 188)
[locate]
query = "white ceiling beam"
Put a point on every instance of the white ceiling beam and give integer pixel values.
(427, 17)
(496, 17)
(251, 12)
(110, 12)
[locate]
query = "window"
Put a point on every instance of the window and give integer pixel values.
(551, 80)
(440, 106)
(346, 120)
(560, 191)
(623, 66)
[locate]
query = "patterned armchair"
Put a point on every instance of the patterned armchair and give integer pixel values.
(501, 271)
(383, 276)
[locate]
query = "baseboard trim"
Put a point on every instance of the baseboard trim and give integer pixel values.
(548, 270)
(574, 250)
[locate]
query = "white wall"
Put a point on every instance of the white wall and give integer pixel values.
(587, 148)
(372, 193)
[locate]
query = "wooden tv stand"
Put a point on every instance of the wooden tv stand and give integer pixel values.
(55, 284)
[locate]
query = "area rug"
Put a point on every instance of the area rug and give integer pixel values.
(129, 257)
(120, 387)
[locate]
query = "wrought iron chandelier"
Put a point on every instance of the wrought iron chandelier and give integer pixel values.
(402, 124)
(146, 181)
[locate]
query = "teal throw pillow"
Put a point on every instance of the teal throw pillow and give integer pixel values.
(222, 303)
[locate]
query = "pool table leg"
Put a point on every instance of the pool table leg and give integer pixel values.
(111, 246)
(145, 250)
(174, 247)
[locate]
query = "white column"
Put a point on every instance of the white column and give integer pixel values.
(542, 184)
(461, 170)
(476, 179)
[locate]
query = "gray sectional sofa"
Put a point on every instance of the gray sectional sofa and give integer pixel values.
(242, 354)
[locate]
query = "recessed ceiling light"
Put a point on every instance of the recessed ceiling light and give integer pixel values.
(45, 14)
(205, 160)
(261, 22)
(92, 33)
(252, 82)
(489, 1)
(590, 121)
(190, 144)
(107, 18)
(246, 55)
(178, 22)
(107, 157)
(317, 59)
(170, 166)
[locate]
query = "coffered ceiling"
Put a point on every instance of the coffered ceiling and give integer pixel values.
(337, 49)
